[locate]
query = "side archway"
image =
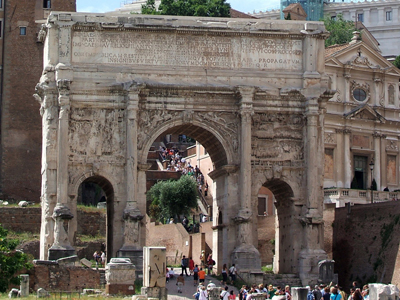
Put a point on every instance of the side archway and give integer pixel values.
(286, 238)
(109, 196)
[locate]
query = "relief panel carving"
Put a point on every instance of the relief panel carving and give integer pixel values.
(97, 132)
(277, 149)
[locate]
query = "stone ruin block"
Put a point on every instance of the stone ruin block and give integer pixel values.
(154, 266)
(326, 271)
(379, 291)
(42, 293)
(24, 285)
(299, 293)
(120, 277)
(86, 262)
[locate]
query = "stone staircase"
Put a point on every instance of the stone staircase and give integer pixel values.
(102, 272)
(282, 279)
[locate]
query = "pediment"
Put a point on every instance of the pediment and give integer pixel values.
(360, 55)
(333, 62)
(365, 112)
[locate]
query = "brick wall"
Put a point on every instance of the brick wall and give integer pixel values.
(28, 219)
(20, 119)
(62, 278)
(366, 243)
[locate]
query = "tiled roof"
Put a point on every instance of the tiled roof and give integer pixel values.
(238, 14)
(334, 48)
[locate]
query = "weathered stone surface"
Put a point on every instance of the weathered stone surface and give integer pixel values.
(24, 285)
(42, 293)
(14, 293)
(380, 291)
(23, 203)
(256, 110)
(155, 265)
(86, 262)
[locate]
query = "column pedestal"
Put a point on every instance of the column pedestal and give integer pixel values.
(308, 265)
(131, 248)
(61, 247)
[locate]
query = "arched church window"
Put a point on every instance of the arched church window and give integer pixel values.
(391, 94)
(359, 94)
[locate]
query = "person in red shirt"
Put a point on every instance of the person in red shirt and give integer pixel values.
(191, 266)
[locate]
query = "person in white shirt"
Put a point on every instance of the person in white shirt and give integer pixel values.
(224, 294)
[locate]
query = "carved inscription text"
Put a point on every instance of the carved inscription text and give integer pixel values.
(161, 49)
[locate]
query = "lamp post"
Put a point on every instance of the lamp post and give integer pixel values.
(371, 166)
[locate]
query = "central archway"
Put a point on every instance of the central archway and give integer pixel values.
(219, 148)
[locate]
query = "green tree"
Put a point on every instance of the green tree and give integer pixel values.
(201, 8)
(150, 8)
(172, 198)
(11, 261)
(397, 62)
(341, 31)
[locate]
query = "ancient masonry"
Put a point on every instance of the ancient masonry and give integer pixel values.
(253, 93)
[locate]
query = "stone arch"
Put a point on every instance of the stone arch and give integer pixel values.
(222, 153)
(220, 150)
(108, 189)
(285, 235)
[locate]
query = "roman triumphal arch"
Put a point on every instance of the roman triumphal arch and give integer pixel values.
(252, 92)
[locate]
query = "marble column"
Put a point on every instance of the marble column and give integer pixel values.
(245, 255)
(62, 214)
(347, 159)
(377, 161)
(383, 162)
(339, 157)
(132, 216)
(48, 110)
(312, 220)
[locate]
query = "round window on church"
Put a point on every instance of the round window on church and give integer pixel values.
(359, 94)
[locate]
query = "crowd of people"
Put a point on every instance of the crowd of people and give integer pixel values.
(320, 292)
(335, 292)
(179, 164)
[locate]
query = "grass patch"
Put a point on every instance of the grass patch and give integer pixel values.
(267, 269)
(85, 238)
(90, 208)
(23, 237)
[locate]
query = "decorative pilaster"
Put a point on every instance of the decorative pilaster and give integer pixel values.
(347, 89)
(62, 214)
(245, 255)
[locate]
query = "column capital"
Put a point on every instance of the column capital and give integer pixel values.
(343, 130)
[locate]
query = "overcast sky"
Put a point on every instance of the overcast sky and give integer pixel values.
(110, 5)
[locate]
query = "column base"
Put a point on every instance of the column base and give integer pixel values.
(155, 292)
(57, 253)
(246, 258)
(136, 257)
(308, 265)
(123, 289)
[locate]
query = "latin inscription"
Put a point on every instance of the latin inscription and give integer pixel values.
(134, 48)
